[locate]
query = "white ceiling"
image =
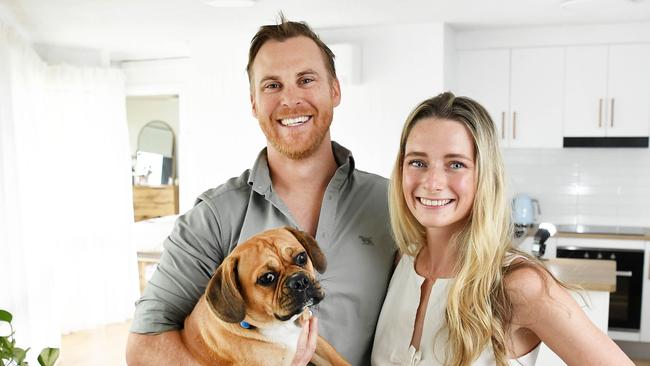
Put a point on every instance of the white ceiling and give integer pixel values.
(137, 29)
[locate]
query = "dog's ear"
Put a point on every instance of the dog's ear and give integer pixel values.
(312, 248)
(222, 293)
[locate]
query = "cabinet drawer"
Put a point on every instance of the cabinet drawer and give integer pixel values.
(154, 201)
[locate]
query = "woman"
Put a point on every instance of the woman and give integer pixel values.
(461, 294)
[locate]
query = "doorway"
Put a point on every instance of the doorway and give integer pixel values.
(153, 129)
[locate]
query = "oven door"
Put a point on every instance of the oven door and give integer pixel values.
(625, 303)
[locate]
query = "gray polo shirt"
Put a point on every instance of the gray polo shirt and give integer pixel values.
(353, 232)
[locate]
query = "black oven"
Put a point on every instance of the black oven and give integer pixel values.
(625, 303)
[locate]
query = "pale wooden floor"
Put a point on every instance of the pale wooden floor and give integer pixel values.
(105, 346)
(102, 346)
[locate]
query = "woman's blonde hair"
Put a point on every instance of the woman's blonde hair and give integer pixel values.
(478, 310)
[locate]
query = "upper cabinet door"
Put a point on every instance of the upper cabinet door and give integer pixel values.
(629, 90)
(585, 91)
(536, 96)
(484, 75)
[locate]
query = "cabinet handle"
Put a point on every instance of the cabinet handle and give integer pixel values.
(600, 112)
(503, 125)
(623, 273)
(611, 114)
(514, 125)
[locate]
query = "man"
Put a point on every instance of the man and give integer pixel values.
(301, 179)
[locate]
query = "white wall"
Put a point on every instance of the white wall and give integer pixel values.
(155, 77)
(401, 66)
(553, 36)
(451, 57)
(219, 138)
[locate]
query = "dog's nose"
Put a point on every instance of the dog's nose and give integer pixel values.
(298, 282)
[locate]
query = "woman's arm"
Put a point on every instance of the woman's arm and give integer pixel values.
(547, 309)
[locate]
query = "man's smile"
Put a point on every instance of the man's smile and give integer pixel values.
(295, 121)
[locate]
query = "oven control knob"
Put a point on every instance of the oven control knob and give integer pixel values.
(586, 256)
(600, 255)
(612, 257)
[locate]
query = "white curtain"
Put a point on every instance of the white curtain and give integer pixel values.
(89, 112)
(66, 258)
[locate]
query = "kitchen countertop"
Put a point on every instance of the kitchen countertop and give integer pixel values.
(603, 236)
(604, 232)
(594, 232)
(591, 275)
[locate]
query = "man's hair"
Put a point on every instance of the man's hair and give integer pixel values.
(282, 31)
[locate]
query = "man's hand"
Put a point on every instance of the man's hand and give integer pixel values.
(160, 349)
(306, 342)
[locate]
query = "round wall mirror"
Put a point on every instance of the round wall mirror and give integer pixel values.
(155, 163)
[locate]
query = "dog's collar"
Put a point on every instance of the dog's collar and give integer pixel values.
(246, 325)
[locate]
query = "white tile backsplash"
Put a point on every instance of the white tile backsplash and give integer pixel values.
(583, 186)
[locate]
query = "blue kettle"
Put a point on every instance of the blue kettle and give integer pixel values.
(523, 210)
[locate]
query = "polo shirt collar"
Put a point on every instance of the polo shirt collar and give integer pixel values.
(260, 178)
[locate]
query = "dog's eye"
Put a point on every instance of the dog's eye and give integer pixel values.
(301, 259)
(267, 279)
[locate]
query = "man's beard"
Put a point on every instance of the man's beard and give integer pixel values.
(297, 151)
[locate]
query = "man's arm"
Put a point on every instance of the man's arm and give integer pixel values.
(167, 349)
(158, 349)
(191, 253)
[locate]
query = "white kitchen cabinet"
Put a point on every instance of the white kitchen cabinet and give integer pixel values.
(607, 91)
(536, 97)
(520, 88)
(484, 75)
(585, 91)
(629, 90)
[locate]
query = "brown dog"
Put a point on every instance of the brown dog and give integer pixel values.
(248, 315)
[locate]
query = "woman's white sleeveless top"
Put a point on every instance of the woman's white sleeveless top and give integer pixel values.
(395, 326)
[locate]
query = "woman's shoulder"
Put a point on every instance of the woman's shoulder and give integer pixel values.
(530, 285)
(527, 279)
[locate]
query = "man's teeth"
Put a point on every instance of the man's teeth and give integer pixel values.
(427, 202)
(294, 121)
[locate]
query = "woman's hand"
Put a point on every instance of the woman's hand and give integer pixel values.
(306, 342)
